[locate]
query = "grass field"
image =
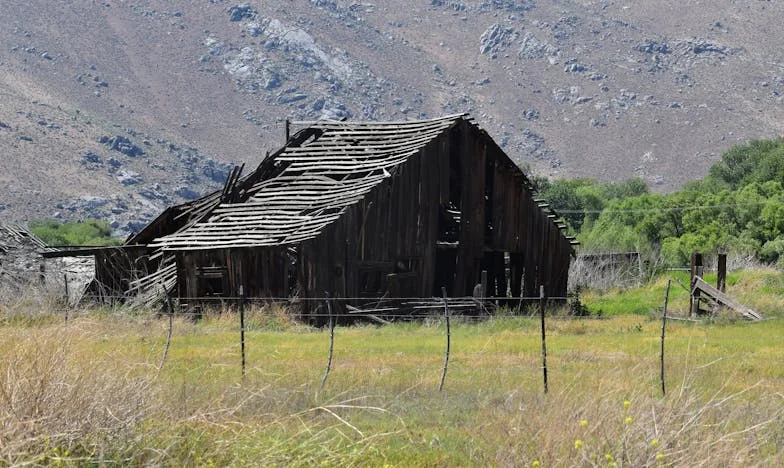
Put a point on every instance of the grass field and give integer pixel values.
(90, 391)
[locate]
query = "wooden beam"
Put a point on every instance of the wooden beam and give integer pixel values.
(723, 299)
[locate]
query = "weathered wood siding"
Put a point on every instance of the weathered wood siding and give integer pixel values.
(456, 207)
(217, 274)
(387, 243)
(384, 244)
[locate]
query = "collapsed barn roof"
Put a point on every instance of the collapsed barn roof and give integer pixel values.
(359, 202)
(306, 185)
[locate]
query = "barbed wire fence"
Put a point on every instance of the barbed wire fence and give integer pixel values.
(437, 310)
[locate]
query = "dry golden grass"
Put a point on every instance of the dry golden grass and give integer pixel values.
(90, 392)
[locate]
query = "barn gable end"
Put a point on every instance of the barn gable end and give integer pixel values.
(365, 209)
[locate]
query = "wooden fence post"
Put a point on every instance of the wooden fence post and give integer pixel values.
(695, 270)
(542, 305)
(170, 310)
(721, 274)
(664, 326)
(242, 328)
(483, 293)
(67, 298)
(448, 340)
(331, 340)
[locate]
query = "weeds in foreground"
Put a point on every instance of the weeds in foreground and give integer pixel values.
(88, 392)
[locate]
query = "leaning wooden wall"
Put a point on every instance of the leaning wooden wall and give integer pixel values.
(115, 268)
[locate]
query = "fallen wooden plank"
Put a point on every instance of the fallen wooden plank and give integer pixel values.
(723, 299)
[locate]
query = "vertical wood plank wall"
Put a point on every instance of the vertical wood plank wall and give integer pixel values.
(393, 231)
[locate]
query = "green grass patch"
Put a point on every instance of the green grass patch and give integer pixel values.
(762, 290)
(91, 392)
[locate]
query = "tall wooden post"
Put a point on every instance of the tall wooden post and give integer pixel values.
(67, 299)
(170, 313)
(664, 326)
(331, 340)
(695, 270)
(721, 277)
(482, 293)
(448, 341)
(542, 305)
(242, 329)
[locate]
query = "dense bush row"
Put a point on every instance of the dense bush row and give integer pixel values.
(738, 207)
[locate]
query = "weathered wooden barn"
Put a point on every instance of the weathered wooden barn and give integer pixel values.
(365, 210)
(356, 210)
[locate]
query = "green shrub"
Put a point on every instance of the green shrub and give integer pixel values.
(737, 208)
(85, 233)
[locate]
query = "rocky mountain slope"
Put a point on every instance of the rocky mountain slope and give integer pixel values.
(115, 109)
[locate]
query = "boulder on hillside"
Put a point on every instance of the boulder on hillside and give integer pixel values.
(533, 48)
(653, 47)
(496, 39)
(531, 114)
(241, 12)
(128, 177)
(123, 145)
(513, 5)
(91, 158)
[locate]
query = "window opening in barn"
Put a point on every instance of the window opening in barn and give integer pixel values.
(407, 272)
(372, 278)
(449, 224)
(212, 281)
(370, 283)
(446, 259)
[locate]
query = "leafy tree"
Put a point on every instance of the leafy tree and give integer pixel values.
(756, 161)
(739, 206)
(580, 201)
